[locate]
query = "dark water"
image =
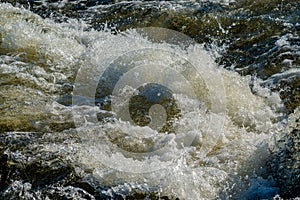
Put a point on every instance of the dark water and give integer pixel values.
(257, 39)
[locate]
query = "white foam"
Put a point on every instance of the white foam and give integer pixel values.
(245, 121)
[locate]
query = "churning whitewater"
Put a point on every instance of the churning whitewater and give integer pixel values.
(146, 112)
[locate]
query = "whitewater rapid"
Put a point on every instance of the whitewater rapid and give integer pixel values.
(217, 148)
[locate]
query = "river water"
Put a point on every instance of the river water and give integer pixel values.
(149, 99)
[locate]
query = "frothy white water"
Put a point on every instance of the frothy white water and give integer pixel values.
(229, 162)
(189, 163)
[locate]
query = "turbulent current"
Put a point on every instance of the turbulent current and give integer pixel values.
(149, 99)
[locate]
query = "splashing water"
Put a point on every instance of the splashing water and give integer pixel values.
(143, 110)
